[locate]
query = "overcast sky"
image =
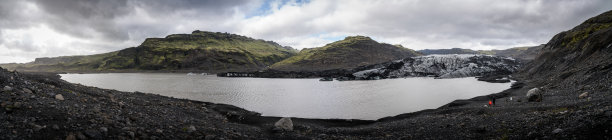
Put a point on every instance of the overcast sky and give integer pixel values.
(47, 28)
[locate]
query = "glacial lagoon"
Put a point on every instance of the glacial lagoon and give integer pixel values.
(303, 98)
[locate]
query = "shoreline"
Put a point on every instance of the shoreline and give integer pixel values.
(441, 104)
(95, 113)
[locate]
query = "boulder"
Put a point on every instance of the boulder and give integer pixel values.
(27, 91)
(71, 136)
(191, 129)
(59, 97)
(284, 124)
(583, 95)
(558, 130)
(7, 88)
(534, 95)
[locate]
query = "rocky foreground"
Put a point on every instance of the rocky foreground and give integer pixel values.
(42, 106)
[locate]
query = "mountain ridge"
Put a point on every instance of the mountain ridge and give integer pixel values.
(199, 51)
(351, 52)
(527, 53)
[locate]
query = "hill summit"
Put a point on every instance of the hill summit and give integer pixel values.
(351, 52)
(198, 51)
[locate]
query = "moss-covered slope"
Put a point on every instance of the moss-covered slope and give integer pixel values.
(349, 53)
(580, 56)
(199, 51)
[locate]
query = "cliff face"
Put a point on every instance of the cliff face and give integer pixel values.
(202, 51)
(581, 56)
(443, 66)
(349, 53)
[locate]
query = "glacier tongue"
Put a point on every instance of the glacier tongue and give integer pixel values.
(443, 66)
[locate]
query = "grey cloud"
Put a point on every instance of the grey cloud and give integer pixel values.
(79, 18)
(109, 24)
(165, 6)
(114, 24)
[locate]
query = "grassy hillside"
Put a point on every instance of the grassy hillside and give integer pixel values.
(349, 53)
(199, 51)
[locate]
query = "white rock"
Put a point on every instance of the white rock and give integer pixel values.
(284, 124)
(103, 129)
(558, 130)
(191, 129)
(7, 88)
(583, 95)
(59, 97)
(27, 90)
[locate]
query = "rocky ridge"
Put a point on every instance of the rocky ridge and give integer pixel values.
(199, 51)
(349, 53)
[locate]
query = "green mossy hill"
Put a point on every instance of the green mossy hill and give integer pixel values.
(199, 51)
(575, 39)
(580, 56)
(349, 53)
(62, 63)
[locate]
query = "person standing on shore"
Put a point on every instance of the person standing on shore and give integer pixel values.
(491, 100)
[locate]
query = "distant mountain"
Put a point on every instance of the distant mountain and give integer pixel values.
(448, 51)
(199, 51)
(352, 52)
(521, 53)
(581, 57)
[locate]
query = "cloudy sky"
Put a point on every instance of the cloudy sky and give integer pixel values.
(47, 28)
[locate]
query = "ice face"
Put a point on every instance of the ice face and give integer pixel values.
(446, 66)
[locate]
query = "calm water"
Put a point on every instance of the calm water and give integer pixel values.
(305, 98)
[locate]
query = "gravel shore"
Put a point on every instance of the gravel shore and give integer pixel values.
(42, 106)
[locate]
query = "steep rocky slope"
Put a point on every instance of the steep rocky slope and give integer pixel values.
(349, 53)
(199, 51)
(577, 57)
